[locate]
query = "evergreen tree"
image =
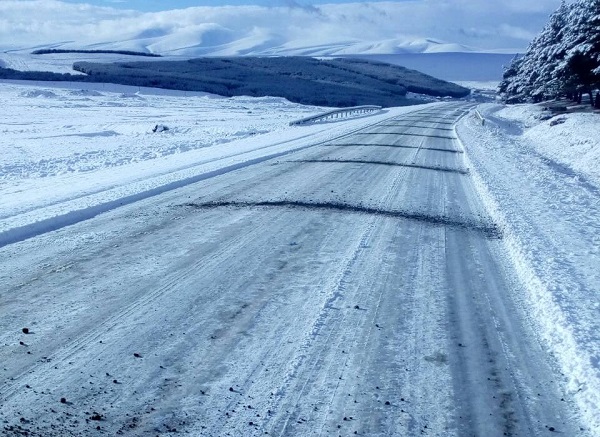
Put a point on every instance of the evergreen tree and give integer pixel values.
(563, 59)
(546, 55)
(509, 85)
(580, 69)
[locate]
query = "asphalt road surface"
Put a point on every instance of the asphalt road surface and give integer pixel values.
(356, 287)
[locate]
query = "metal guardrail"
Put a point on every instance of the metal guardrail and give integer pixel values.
(338, 113)
(480, 117)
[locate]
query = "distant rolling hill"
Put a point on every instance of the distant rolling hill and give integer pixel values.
(307, 80)
(376, 29)
(324, 82)
(449, 66)
(215, 40)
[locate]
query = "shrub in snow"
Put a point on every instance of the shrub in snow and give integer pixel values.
(38, 93)
(86, 93)
(131, 96)
(160, 128)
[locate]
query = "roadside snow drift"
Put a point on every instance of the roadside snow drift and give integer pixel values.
(541, 181)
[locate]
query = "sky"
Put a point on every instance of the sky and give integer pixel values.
(246, 25)
(162, 5)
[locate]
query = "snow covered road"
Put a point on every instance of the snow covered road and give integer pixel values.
(355, 286)
(548, 207)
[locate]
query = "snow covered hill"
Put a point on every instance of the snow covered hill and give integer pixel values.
(359, 29)
(329, 30)
(451, 66)
(212, 41)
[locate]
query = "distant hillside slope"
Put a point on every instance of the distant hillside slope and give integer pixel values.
(324, 82)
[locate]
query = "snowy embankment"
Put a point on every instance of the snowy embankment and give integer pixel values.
(541, 181)
(69, 153)
(569, 140)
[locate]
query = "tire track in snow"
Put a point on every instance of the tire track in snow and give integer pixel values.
(315, 339)
(308, 369)
(399, 146)
(91, 336)
(582, 380)
(248, 387)
(335, 338)
(335, 283)
(388, 163)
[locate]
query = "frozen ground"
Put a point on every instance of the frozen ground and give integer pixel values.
(75, 128)
(94, 142)
(542, 182)
(237, 276)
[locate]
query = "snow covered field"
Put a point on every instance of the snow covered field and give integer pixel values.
(54, 130)
(374, 275)
(60, 62)
(69, 147)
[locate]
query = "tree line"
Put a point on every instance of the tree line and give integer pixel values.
(562, 61)
(310, 81)
(110, 52)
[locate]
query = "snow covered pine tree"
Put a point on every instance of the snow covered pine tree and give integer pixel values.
(564, 59)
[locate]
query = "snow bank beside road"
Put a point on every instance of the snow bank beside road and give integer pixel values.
(552, 234)
(569, 139)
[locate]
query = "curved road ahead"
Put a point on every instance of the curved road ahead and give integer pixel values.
(356, 287)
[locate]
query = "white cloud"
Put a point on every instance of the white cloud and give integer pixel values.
(516, 32)
(239, 29)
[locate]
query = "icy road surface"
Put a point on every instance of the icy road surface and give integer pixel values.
(353, 287)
